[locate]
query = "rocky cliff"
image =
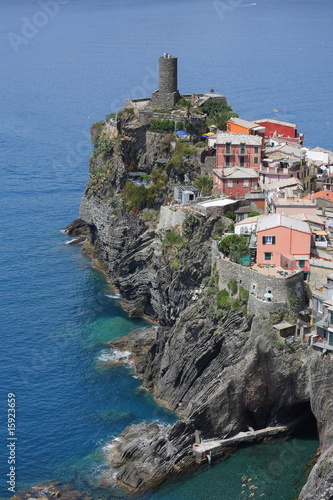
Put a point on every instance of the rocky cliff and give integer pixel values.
(221, 369)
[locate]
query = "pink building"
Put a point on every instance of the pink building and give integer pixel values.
(283, 241)
(239, 150)
(235, 181)
(291, 206)
(273, 172)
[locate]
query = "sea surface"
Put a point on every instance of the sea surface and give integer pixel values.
(65, 64)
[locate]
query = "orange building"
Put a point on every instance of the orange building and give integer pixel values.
(239, 126)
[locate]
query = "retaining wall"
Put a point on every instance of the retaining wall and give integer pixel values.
(282, 289)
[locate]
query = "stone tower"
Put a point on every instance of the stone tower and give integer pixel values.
(167, 94)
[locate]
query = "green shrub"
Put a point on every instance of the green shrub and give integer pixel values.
(232, 287)
(243, 294)
(162, 125)
(182, 150)
(110, 116)
(223, 299)
(230, 215)
(253, 214)
(172, 239)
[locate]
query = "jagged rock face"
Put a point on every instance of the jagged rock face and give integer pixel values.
(321, 390)
(132, 253)
(222, 379)
(148, 454)
(320, 483)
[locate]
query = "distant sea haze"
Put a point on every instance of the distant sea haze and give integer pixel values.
(65, 65)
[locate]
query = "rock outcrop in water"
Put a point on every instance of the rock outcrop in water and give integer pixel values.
(220, 369)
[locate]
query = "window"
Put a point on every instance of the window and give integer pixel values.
(301, 263)
(242, 149)
(227, 147)
(246, 183)
(227, 161)
(331, 317)
(268, 256)
(256, 149)
(268, 240)
(230, 184)
(256, 159)
(242, 161)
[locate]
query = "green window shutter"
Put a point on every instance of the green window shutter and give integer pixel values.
(263, 240)
(273, 240)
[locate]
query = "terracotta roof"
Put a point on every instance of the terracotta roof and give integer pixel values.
(325, 193)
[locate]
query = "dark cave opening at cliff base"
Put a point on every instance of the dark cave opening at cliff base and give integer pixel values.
(299, 417)
(305, 421)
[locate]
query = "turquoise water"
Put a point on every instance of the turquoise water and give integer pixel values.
(78, 65)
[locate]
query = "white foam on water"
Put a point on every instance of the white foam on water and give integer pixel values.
(107, 447)
(116, 296)
(71, 241)
(115, 356)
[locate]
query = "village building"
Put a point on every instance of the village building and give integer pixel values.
(291, 158)
(290, 205)
(186, 194)
(239, 126)
(283, 130)
(286, 188)
(273, 171)
(235, 181)
(322, 313)
(283, 241)
(238, 150)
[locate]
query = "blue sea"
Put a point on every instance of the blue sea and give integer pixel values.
(65, 65)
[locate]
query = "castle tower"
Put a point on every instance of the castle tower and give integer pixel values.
(167, 94)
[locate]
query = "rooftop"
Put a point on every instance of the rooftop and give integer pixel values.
(248, 220)
(325, 193)
(230, 138)
(294, 202)
(247, 124)
(236, 173)
(218, 202)
(276, 220)
(278, 122)
(315, 219)
(292, 181)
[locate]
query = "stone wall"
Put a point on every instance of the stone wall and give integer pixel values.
(171, 218)
(282, 289)
(319, 270)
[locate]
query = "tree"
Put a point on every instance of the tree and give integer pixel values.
(204, 183)
(218, 113)
(234, 246)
